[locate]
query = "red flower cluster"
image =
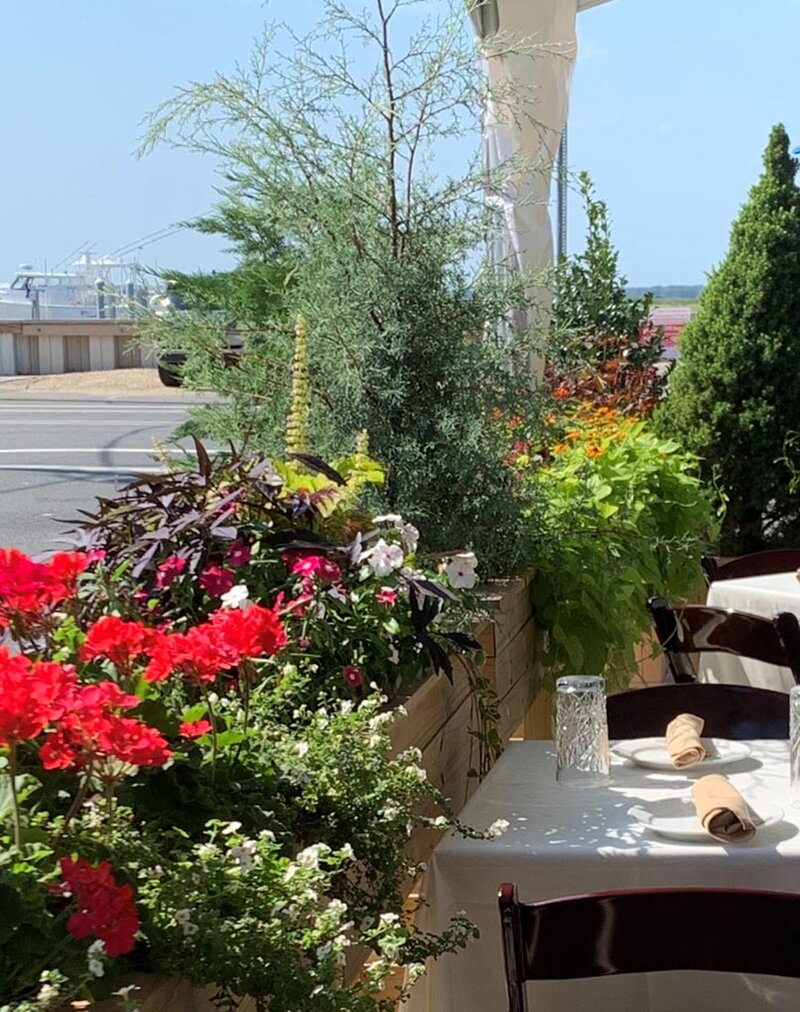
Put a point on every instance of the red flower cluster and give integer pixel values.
(32, 693)
(195, 728)
(254, 632)
(218, 645)
(29, 588)
(121, 642)
(216, 580)
(103, 907)
(93, 732)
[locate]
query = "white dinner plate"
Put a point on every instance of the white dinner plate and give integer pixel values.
(688, 827)
(652, 753)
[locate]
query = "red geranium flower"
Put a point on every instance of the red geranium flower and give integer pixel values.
(31, 695)
(255, 632)
(28, 589)
(121, 642)
(195, 728)
(103, 907)
(200, 654)
(93, 732)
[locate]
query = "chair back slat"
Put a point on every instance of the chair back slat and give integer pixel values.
(693, 628)
(774, 560)
(738, 712)
(649, 930)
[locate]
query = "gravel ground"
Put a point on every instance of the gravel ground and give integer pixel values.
(112, 382)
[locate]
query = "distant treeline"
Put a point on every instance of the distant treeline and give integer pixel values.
(666, 291)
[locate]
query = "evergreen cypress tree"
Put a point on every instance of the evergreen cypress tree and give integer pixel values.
(734, 395)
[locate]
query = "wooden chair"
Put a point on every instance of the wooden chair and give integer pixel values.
(738, 712)
(644, 931)
(690, 629)
(776, 560)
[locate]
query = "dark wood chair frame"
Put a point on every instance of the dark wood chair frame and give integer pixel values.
(774, 560)
(686, 630)
(645, 931)
(738, 712)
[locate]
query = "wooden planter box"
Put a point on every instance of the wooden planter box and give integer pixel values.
(438, 721)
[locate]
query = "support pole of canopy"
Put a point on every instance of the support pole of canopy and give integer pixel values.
(531, 136)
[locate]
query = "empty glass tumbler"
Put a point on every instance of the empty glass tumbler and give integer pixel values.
(582, 755)
(794, 742)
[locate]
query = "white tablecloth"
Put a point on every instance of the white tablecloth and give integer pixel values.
(760, 595)
(564, 840)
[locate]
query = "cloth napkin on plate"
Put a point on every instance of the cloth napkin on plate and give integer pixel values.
(683, 741)
(722, 810)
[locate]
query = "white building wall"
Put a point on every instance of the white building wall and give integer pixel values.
(101, 352)
(51, 354)
(8, 365)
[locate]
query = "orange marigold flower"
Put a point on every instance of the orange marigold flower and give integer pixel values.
(560, 448)
(594, 451)
(561, 392)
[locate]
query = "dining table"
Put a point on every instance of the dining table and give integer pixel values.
(760, 595)
(564, 839)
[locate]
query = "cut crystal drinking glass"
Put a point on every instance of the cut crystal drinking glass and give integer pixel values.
(582, 755)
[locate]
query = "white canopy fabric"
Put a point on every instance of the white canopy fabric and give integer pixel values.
(541, 80)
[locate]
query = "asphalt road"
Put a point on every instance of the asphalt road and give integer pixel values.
(59, 452)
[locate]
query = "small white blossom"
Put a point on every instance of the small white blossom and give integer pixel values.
(232, 827)
(126, 992)
(94, 958)
(237, 597)
(497, 828)
(301, 747)
(347, 850)
(189, 929)
(384, 558)
(338, 595)
(394, 655)
(386, 919)
(461, 571)
(440, 822)
(244, 854)
(309, 858)
(183, 916)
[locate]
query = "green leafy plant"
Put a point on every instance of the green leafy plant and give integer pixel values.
(625, 517)
(734, 396)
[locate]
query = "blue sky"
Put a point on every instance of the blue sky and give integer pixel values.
(671, 107)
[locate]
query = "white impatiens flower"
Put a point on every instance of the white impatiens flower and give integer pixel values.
(461, 571)
(408, 532)
(237, 597)
(232, 827)
(497, 828)
(384, 558)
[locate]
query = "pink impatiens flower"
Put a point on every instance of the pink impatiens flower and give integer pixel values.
(352, 676)
(169, 569)
(386, 595)
(309, 566)
(238, 554)
(216, 580)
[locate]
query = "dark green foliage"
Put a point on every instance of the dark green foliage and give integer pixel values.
(735, 394)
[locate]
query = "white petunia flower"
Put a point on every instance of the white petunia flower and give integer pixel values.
(461, 571)
(237, 597)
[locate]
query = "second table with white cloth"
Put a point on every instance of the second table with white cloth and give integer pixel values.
(564, 839)
(760, 595)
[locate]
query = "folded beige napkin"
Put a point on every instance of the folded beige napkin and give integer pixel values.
(683, 740)
(722, 810)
